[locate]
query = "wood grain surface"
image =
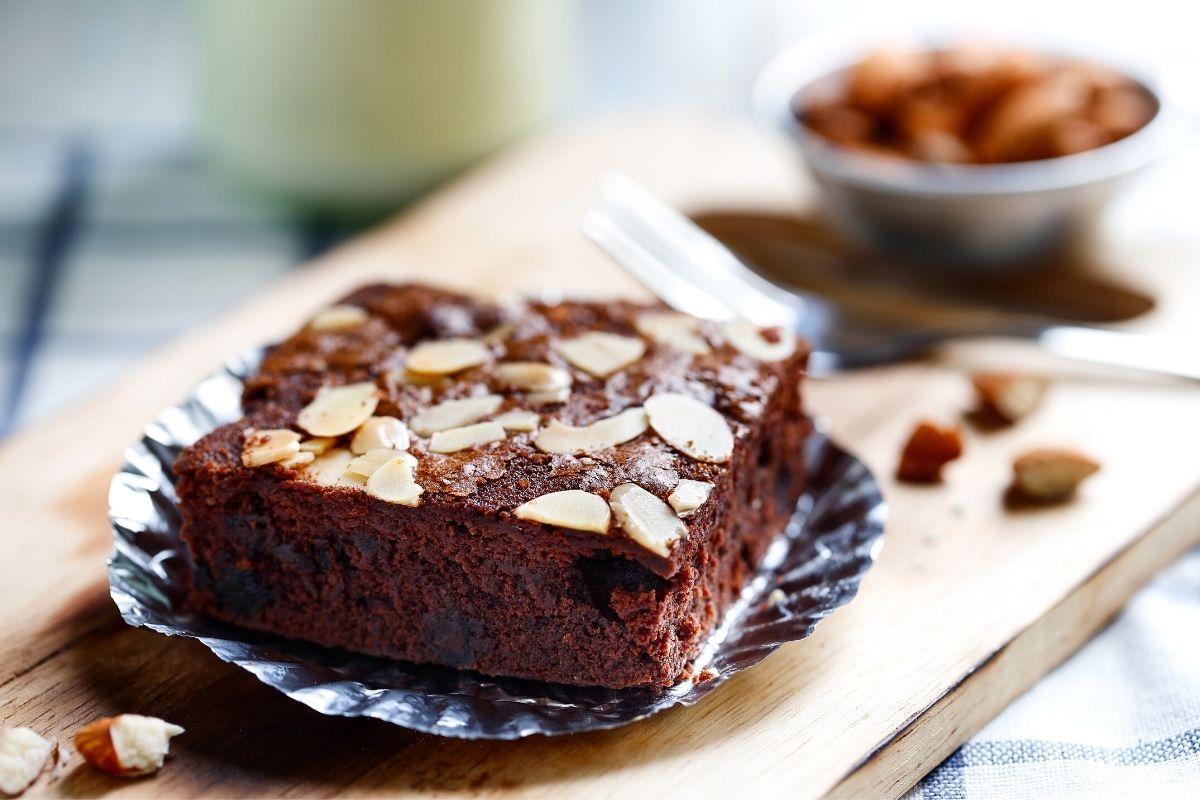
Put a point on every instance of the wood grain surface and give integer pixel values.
(969, 604)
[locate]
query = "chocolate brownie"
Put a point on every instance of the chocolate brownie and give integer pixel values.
(569, 492)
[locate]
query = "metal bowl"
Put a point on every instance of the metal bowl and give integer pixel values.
(980, 216)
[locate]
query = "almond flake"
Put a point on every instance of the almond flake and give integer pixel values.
(601, 354)
(690, 426)
(762, 344)
(336, 318)
(23, 756)
(329, 468)
(573, 508)
(393, 482)
(268, 446)
(532, 376)
(680, 331)
(340, 410)
(446, 356)
(518, 420)
(380, 432)
(557, 437)
(301, 459)
(455, 413)
(689, 495)
(317, 445)
(456, 439)
(366, 464)
(548, 398)
(649, 521)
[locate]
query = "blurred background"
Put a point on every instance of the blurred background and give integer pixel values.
(158, 158)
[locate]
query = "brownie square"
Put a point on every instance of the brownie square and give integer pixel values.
(569, 492)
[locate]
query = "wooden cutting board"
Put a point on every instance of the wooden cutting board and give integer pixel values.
(969, 604)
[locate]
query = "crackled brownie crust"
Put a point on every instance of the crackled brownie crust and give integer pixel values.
(534, 546)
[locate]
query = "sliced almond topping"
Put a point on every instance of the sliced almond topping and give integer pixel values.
(455, 413)
(532, 376)
(649, 521)
(548, 398)
(456, 439)
(23, 756)
(445, 356)
(337, 318)
(269, 446)
(329, 468)
(762, 344)
(406, 377)
(366, 464)
(610, 432)
(394, 482)
(317, 445)
(1009, 396)
(518, 420)
(339, 410)
(689, 495)
(690, 427)
(499, 333)
(303, 458)
(1049, 475)
(601, 354)
(680, 331)
(380, 432)
(575, 509)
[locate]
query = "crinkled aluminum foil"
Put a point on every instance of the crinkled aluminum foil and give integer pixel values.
(808, 572)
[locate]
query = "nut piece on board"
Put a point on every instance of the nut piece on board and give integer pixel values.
(1049, 475)
(1007, 396)
(929, 448)
(23, 756)
(126, 745)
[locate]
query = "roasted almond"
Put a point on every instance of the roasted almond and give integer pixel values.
(126, 745)
(1008, 396)
(929, 448)
(1050, 475)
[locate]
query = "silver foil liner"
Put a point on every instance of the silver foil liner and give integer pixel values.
(810, 570)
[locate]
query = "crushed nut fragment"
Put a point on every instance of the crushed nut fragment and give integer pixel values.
(762, 344)
(1050, 475)
(600, 354)
(126, 745)
(23, 756)
(337, 318)
(573, 508)
(649, 521)
(339, 410)
(558, 437)
(929, 448)
(268, 446)
(691, 427)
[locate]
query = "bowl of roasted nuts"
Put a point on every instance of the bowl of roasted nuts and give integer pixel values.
(964, 154)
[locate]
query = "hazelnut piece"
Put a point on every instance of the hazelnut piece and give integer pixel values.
(929, 448)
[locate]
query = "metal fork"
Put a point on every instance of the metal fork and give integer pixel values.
(691, 271)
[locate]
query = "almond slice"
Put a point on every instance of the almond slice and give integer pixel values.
(1009, 396)
(329, 468)
(23, 756)
(379, 432)
(394, 481)
(340, 410)
(557, 437)
(455, 413)
(601, 354)
(573, 508)
(690, 426)
(268, 446)
(1049, 475)
(649, 521)
(762, 344)
(446, 356)
(127, 745)
(680, 331)
(548, 398)
(455, 439)
(532, 376)
(336, 318)
(317, 445)
(689, 495)
(301, 459)
(518, 420)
